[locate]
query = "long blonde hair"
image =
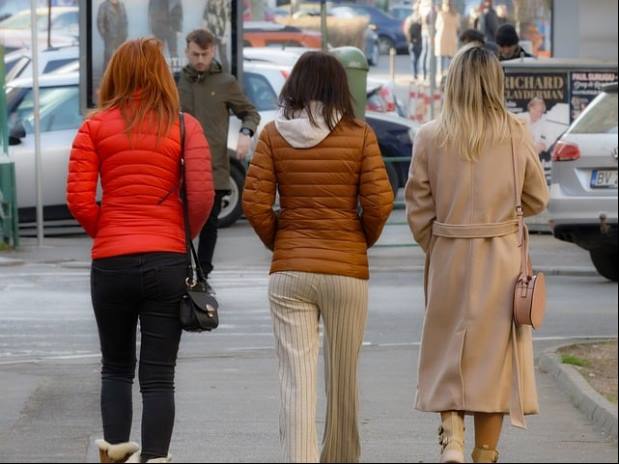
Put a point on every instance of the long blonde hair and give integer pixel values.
(474, 111)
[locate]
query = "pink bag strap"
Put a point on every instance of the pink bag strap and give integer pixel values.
(523, 241)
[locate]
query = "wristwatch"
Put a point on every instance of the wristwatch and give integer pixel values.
(247, 131)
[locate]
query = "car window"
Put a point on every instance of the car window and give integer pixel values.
(22, 21)
(259, 91)
(53, 65)
(66, 20)
(15, 68)
(601, 118)
(60, 110)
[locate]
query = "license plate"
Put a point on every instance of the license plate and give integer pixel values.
(604, 179)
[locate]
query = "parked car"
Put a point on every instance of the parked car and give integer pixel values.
(18, 64)
(388, 28)
(15, 32)
(401, 11)
(380, 93)
(264, 34)
(583, 205)
(60, 120)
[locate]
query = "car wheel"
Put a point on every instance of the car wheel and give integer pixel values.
(385, 44)
(393, 177)
(605, 262)
(231, 204)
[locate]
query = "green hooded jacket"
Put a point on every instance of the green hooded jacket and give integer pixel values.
(210, 97)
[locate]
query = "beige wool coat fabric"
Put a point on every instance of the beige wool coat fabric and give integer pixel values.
(462, 214)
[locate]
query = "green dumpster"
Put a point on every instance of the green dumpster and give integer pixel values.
(356, 65)
(9, 227)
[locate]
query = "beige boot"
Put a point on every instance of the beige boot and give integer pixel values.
(485, 455)
(120, 452)
(451, 437)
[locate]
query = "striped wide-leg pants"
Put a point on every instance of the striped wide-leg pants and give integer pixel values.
(298, 301)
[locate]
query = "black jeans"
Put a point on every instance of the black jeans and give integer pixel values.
(124, 289)
(208, 235)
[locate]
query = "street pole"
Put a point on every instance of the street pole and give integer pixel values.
(37, 120)
(323, 25)
(49, 23)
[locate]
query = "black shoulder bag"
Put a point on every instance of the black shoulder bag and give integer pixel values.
(198, 309)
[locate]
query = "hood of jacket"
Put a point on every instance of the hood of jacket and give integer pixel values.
(300, 132)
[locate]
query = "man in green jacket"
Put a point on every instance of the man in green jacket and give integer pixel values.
(209, 94)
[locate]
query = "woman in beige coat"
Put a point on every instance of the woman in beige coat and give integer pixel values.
(461, 208)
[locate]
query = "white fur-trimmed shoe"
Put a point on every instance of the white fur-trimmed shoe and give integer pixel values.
(120, 452)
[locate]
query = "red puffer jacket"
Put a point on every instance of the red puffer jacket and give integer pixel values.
(141, 210)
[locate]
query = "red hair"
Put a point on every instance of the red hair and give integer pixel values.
(139, 83)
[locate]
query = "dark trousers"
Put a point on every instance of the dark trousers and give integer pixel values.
(208, 235)
(124, 289)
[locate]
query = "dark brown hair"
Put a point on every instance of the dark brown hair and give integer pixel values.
(202, 38)
(318, 77)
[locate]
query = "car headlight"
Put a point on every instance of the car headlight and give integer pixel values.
(373, 27)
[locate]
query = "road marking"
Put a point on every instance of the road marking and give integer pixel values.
(227, 351)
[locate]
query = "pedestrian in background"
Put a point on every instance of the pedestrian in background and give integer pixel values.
(412, 30)
(428, 18)
(509, 44)
(112, 25)
(488, 21)
(461, 208)
(210, 94)
(132, 143)
(323, 163)
(446, 39)
(472, 35)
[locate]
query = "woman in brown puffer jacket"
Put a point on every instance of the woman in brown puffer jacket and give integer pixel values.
(324, 164)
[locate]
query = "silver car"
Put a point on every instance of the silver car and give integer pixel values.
(583, 204)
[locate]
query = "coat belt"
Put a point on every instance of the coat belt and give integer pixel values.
(490, 230)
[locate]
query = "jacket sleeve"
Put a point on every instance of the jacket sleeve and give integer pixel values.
(376, 195)
(198, 176)
(259, 192)
(82, 180)
(535, 194)
(420, 209)
(242, 108)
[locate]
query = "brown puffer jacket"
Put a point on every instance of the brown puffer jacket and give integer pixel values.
(319, 229)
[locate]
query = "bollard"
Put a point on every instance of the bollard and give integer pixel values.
(9, 227)
(392, 54)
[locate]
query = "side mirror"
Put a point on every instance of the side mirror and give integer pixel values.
(17, 133)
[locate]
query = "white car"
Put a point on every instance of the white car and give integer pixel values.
(380, 92)
(18, 64)
(60, 120)
(15, 32)
(583, 204)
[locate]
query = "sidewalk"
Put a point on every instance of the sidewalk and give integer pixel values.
(227, 411)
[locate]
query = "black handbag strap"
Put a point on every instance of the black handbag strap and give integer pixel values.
(194, 269)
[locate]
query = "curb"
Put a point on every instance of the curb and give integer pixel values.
(6, 262)
(598, 409)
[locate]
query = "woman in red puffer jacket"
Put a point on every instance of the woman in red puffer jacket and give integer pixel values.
(132, 143)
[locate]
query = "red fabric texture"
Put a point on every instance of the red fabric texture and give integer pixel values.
(141, 209)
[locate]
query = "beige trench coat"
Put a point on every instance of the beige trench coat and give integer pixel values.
(467, 359)
(446, 40)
